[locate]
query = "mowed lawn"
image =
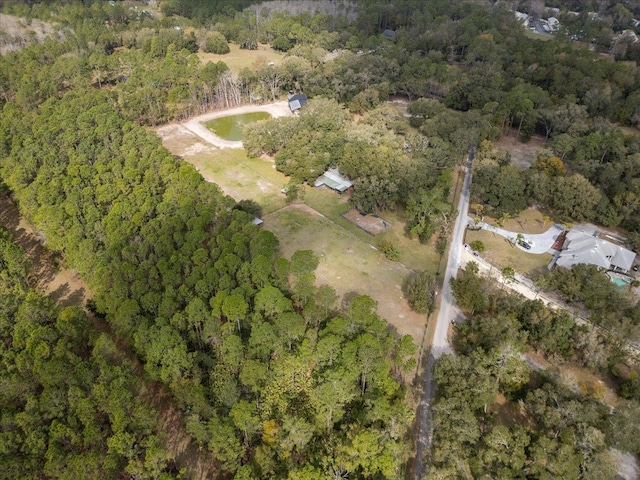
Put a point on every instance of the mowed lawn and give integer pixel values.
(346, 263)
(238, 59)
(502, 254)
(238, 175)
(242, 177)
(412, 254)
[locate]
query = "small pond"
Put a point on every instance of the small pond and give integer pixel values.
(230, 128)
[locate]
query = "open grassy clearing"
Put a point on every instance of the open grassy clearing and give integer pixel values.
(347, 264)
(545, 37)
(242, 177)
(412, 254)
(531, 221)
(238, 175)
(237, 59)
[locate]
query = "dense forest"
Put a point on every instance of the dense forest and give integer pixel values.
(276, 376)
(70, 399)
(541, 428)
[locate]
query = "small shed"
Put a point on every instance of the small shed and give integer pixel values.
(334, 180)
(257, 221)
(297, 101)
(389, 34)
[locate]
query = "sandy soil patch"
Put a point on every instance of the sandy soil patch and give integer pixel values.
(522, 154)
(62, 284)
(372, 224)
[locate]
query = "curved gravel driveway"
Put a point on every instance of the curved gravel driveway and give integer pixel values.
(196, 124)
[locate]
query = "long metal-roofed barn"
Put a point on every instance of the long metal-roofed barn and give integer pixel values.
(333, 179)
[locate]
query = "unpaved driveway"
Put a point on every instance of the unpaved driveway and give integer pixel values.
(196, 124)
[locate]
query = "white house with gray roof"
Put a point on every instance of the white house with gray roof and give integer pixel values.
(585, 247)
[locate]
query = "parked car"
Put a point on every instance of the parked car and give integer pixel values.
(525, 245)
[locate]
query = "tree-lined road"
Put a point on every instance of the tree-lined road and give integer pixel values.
(447, 312)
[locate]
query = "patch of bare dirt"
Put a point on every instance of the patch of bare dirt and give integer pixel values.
(372, 224)
(522, 154)
(46, 274)
(16, 32)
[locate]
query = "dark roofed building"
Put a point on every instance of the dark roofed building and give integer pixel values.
(390, 34)
(297, 101)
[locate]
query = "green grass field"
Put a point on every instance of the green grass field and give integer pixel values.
(347, 263)
(242, 177)
(412, 254)
(238, 59)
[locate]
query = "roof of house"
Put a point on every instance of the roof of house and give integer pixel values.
(297, 101)
(333, 179)
(389, 33)
(582, 247)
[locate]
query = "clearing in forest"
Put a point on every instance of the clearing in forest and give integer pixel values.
(347, 264)
(349, 261)
(522, 154)
(238, 175)
(238, 58)
(17, 32)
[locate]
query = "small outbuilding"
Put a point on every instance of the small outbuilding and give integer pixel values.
(297, 101)
(389, 34)
(334, 180)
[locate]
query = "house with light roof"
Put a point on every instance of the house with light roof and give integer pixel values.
(585, 247)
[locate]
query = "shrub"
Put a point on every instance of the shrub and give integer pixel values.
(419, 289)
(477, 246)
(390, 251)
